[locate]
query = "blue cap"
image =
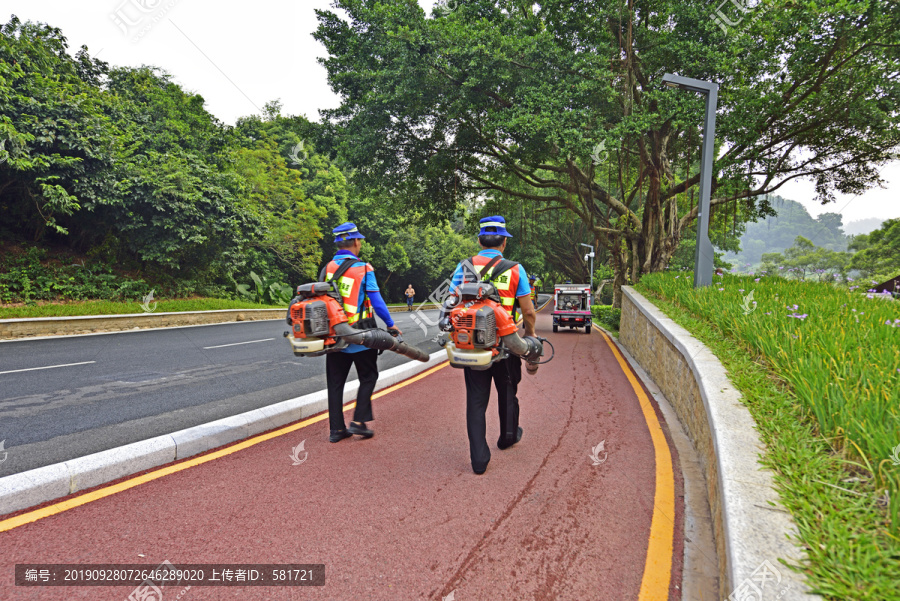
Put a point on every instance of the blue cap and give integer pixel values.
(346, 231)
(531, 278)
(494, 226)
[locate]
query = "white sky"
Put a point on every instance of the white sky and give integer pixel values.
(239, 57)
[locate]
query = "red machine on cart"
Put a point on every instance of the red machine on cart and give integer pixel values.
(572, 307)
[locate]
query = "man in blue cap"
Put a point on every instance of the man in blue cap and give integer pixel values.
(362, 301)
(511, 282)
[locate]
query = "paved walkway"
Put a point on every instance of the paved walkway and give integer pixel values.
(401, 516)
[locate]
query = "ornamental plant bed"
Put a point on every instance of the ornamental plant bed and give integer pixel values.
(818, 366)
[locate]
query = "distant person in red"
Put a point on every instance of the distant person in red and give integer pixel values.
(410, 295)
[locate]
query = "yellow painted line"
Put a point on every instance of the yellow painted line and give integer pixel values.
(658, 568)
(95, 495)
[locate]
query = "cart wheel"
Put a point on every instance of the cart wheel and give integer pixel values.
(587, 329)
(555, 328)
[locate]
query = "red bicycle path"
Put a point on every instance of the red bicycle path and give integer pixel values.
(402, 515)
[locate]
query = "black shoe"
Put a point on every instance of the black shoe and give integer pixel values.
(502, 446)
(360, 429)
(339, 435)
(479, 469)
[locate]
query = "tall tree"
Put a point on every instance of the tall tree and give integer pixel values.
(565, 96)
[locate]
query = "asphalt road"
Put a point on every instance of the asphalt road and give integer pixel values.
(120, 388)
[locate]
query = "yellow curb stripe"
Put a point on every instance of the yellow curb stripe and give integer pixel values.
(43, 512)
(658, 568)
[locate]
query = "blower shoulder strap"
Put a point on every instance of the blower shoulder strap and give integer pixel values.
(341, 270)
(503, 265)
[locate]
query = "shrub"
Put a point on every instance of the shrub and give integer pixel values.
(607, 316)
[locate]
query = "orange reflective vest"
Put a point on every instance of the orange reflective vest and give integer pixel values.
(360, 317)
(506, 282)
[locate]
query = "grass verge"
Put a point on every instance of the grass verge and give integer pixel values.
(118, 308)
(838, 504)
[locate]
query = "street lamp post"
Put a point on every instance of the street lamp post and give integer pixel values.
(703, 251)
(591, 255)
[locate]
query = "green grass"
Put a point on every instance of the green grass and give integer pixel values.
(118, 308)
(835, 486)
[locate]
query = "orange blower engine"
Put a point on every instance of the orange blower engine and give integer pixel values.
(313, 318)
(481, 332)
(319, 326)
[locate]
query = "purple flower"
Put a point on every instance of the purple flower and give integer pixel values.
(870, 290)
(756, 280)
(800, 317)
(721, 289)
(740, 289)
(768, 312)
(869, 296)
(677, 276)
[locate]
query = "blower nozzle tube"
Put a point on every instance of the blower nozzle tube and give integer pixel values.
(380, 341)
(529, 348)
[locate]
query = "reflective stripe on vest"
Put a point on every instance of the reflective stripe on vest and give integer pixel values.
(350, 287)
(506, 283)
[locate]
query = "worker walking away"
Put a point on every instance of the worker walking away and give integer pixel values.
(362, 300)
(531, 280)
(511, 282)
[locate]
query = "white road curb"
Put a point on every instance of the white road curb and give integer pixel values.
(27, 489)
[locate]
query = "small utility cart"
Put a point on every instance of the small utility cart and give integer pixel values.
(572, 307)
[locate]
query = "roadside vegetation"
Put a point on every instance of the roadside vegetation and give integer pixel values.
(818, 366)
(77, 308)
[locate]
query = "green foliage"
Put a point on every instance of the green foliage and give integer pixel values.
(265, 291)
(567, 102)
(879, 251)
(29, 277)
(125, 163)
(607, 316)
(776, 233)
(805, 259)
(838, 351)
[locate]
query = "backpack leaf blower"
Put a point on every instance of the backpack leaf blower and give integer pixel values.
(481, 332)
(319, 324)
